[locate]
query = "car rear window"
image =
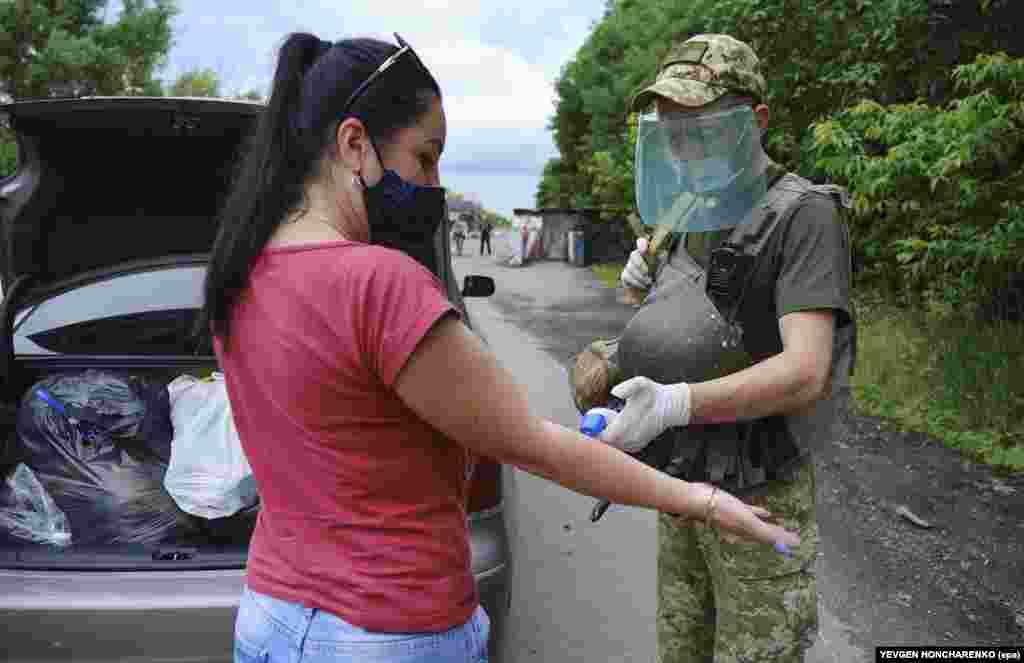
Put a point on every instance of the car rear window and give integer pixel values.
(148, 333)
(147, 312)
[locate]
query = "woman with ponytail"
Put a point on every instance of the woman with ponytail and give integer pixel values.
(360, 398)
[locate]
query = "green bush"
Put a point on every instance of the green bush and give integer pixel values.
(8, 153)
(936, 190)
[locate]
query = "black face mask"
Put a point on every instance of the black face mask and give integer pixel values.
(405, 216)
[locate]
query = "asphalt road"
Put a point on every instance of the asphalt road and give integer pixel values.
(580, 591)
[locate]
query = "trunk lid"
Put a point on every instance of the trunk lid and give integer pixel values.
(105, 181)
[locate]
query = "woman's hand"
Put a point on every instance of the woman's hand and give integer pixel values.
(738, 521)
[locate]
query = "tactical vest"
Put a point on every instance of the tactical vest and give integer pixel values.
(687, 331)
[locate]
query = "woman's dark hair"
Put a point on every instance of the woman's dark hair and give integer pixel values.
(313, 81)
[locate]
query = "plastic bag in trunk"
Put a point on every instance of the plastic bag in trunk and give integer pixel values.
(100, 442)
(11, 451)
(234, 529)
(28, 512)
(209, 475)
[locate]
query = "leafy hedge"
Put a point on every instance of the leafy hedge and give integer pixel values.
(938, 213)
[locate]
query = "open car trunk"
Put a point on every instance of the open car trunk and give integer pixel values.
(34, 351)
(115, 509)
(103, 184)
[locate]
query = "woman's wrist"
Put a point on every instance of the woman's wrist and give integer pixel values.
(697, 499)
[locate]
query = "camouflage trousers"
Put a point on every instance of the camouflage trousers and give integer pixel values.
(740, 602)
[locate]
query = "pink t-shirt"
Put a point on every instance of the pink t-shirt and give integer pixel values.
(363, 503)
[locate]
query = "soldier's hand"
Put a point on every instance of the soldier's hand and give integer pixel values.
(636, 273)
(650, 409)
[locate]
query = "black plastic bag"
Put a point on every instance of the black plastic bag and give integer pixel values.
(83, 434)
(11, 451)
(235, 529)
(156, 430)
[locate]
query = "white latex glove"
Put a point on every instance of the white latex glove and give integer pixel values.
(636, 273)
(651, 408)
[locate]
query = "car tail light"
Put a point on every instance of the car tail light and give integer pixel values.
(485, 487)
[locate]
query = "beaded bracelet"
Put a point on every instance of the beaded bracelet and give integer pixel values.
(711, 507)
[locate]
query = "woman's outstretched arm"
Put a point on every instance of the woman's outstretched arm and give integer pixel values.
(457, 385)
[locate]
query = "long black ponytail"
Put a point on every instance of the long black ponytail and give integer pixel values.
(312, 81)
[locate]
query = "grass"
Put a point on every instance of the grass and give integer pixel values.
(609, 272)
(957, 380)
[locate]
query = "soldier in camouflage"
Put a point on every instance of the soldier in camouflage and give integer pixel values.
(719, 600)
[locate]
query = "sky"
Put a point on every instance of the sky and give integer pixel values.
(496, 63)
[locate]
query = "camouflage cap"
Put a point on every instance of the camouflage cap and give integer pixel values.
(702, 70)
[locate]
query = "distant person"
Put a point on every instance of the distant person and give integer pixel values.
(485, 238)
(460, 229)
(361, 399)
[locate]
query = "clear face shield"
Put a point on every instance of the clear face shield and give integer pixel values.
(699, 173)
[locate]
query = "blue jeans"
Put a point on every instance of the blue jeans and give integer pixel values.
(269, 630)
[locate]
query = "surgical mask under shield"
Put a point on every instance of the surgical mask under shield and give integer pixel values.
(699, 173)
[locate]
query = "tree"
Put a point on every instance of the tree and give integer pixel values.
(937, 210)
(66, 47)
(251, 95)
(496, 220)
(471, 206)
(196, 83)
(593, 89)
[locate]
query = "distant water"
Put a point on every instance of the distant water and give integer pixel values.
(497, 191)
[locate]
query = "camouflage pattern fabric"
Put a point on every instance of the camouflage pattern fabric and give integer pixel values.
(702, 70)
(722, 602)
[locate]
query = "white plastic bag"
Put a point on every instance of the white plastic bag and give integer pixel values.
(27, 511)
(209, 475)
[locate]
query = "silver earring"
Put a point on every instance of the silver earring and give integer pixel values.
(356, 184)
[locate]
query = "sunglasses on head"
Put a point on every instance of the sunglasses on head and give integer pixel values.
(404, 48)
